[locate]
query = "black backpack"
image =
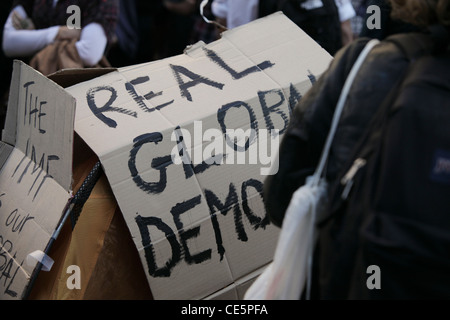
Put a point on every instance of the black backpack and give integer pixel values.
(388, 232)
(320, 22)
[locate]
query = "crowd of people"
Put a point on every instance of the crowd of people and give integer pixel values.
(118, 33)
(127, 32)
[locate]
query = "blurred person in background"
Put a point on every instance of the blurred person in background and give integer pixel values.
(204, 30)
(326, 21)
(346, 14)
(234, 13)
(359, 20)
(40, 26)
(166, 27)
(172, 27)
(125, 45)
(151, 30)
(196, 29)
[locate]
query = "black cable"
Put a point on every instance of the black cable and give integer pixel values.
(73, 209)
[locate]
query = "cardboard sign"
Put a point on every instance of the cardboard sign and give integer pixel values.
(186, 143)
(35, 176)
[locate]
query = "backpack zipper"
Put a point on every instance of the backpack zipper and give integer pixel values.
(347, 180)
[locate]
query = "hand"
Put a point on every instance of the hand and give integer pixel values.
(65, 33)
(20, 23)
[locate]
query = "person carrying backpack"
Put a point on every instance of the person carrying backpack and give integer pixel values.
(386, 234)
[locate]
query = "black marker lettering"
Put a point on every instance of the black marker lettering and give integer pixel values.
(26, 85)
(51, 158)
(32, 159)
(137, 98)
(13, 219)
(130, 86)
(41, 114)
(160, 164)
(22, 160)
(312, 78)
(34, 162)
(1, 195)
(221, 113)
(27, 166)
(5, 252)
(255, 221)
(35, 180)
(33, 111)
(8, 290)
(99, 112)
(231, 202)
(154, 271)
(268, 110)
(33, 108)
(294, 98)
(189, 168)
(195, 80)
(6, 274)
(185, 235)
(47, 175)
(208, 163)
(184, 155)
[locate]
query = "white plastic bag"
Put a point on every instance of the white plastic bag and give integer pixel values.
(285, 277)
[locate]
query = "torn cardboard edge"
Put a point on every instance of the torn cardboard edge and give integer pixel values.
(5, 151)
(69, 77)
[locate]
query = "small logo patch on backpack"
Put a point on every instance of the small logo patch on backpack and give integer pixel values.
(441, 167)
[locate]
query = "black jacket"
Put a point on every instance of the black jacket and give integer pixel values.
(302, 143)
(322, 24)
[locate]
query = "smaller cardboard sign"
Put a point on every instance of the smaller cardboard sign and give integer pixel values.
(35, 176)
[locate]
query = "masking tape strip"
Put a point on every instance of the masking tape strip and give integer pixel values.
(39, 256)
